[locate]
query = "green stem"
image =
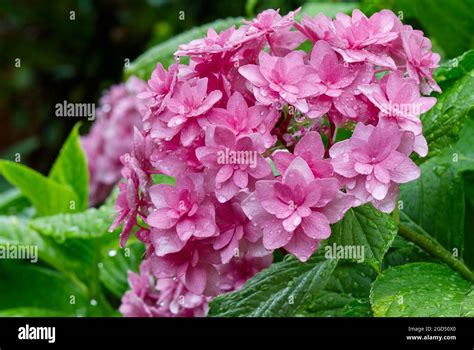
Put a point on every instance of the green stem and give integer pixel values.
(433, 247)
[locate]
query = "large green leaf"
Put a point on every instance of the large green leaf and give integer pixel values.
(14, 231)
(47, 196)
(403, 252)
(435, 201)
(12, 202)
(422, 289)
(350, 282)
(70, 168)
(283, 289)
(364, 229)
(163, 52)
(449, 71)
(27, 287)
(91, 223)
(443, 123)
(116, 263)
(469, 221)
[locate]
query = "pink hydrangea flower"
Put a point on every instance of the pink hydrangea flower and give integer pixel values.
(421, 61)
(248, 94)
(374, 159)
(111, 136)
(133, 193)
(356, 36)
(244, 120)
(160, 88)
(311, 149)
(195, 264)
(171, 158)
(295, 212)
(238, 236)
(150, 297)
(233, 162)
(238, 271)
(276, 29)
(282, 79)
(189, 102)
(399, 99)
(269, 21)
(318, 28)
(181, 212)
(213, 43)
(338, 82)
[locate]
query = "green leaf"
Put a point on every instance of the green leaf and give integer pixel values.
(283, 289)
(116, 263)
(364, 229)
(32, 312)
(443, 123)
(348, 282)
(12, 202)
(163, 52)
(403, 252)
(330, 9)
(435, 202)
(91, 223)
(14, 231)
(449, 71)
(469, 219)
(26, 287)
(357, 308)
(70, 168)
(47, 196)
(421, 289)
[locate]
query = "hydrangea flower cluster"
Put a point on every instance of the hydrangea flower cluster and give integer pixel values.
(249, 130)
(111, 136)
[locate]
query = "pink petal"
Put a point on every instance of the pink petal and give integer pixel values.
(376, 188)
(282, 159)
(335, 210)
(241, 178)
(166, 242)
(274, 236)
(301, 246)
(261, 168)
(405, 172)
(316, 226)
(195, 279)
(224, 173)
(310, 146)
(252, 73)
(161, 219)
